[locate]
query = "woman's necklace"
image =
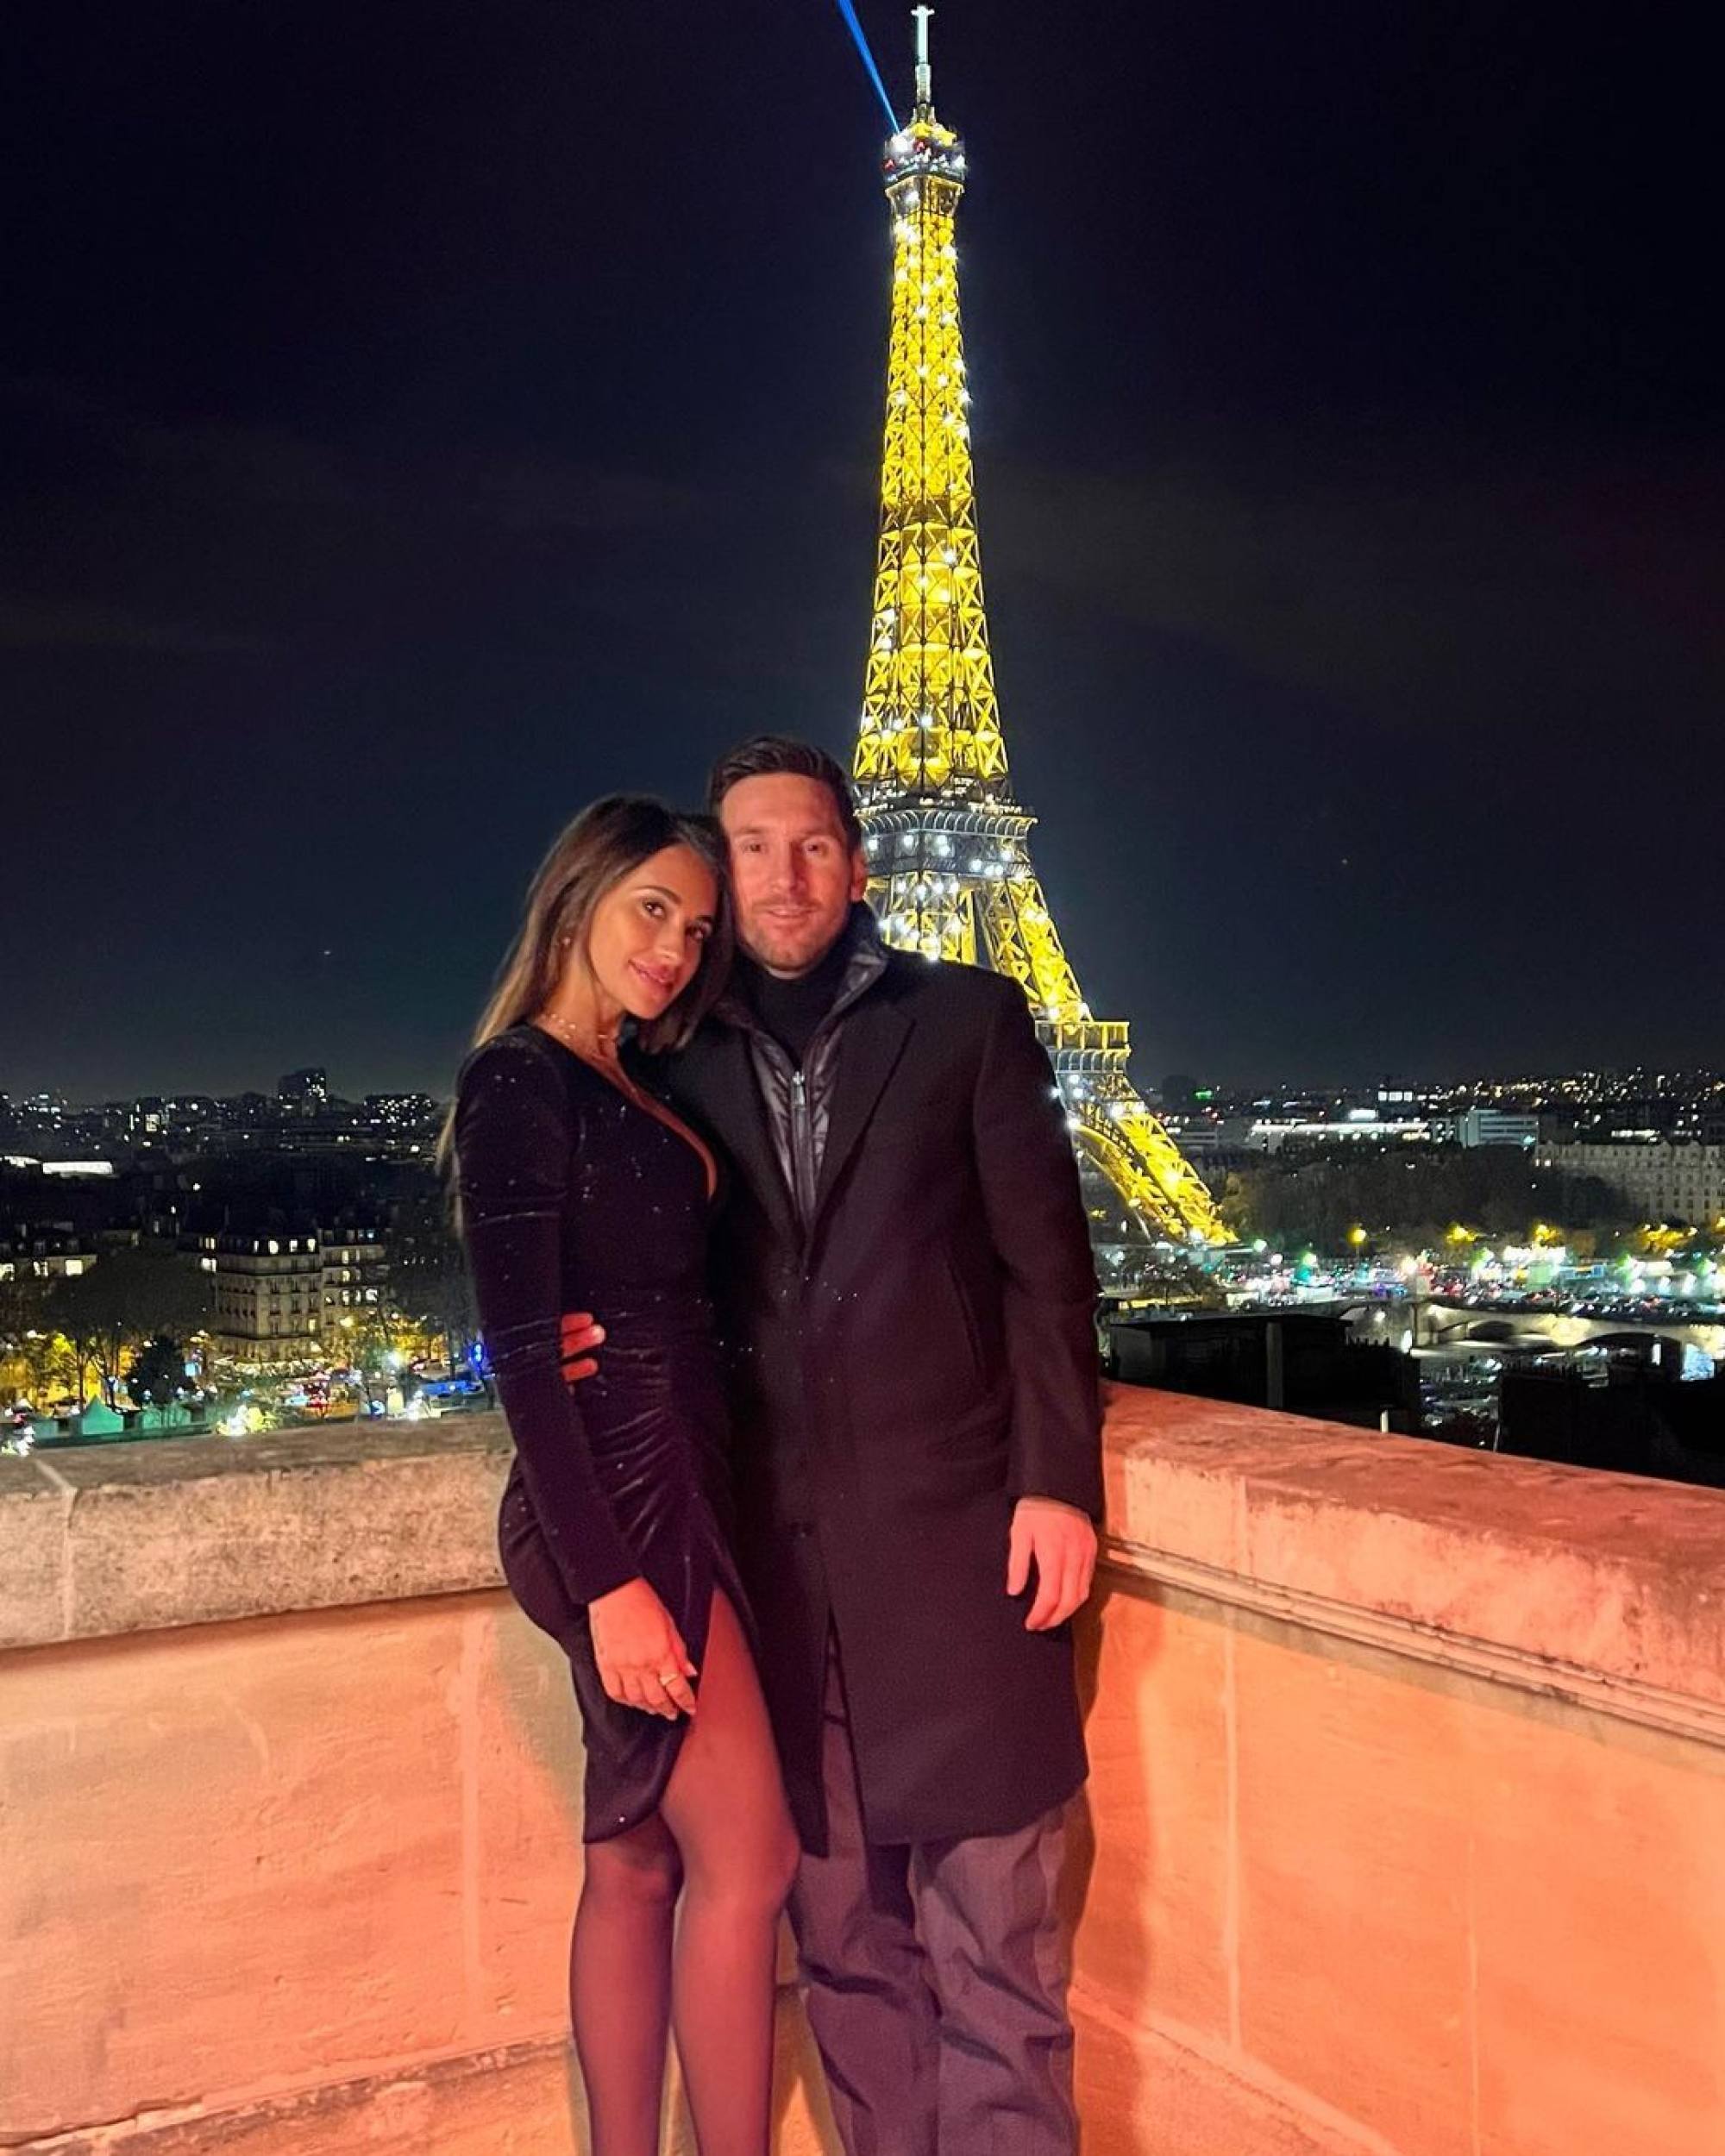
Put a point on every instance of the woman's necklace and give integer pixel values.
(592, 1047)
(600, 1050)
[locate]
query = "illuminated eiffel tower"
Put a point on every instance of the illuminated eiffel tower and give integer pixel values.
(947, 840)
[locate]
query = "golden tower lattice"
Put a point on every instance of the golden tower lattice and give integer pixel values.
(951, 874)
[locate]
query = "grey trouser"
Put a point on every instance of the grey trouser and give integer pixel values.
(934, 1976)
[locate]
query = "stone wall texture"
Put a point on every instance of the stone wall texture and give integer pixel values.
(1405, 1836)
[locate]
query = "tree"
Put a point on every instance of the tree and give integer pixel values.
(21, 1305)
(23, 1367)
(1236, 1208)
(157, 1377)
(427, 1275)
(1416, 1197)
(43, 1366)
(368, 1335)
(125, 1298)
(73, 1315)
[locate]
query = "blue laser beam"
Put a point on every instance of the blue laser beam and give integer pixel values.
(855, 28)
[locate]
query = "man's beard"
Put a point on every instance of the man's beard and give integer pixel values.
(788, 953)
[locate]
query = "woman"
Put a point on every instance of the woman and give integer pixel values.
(580, 1191)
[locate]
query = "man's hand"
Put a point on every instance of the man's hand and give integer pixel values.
(579, 1335)
(1059, 1540)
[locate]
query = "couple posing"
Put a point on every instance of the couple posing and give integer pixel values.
(811, 1513)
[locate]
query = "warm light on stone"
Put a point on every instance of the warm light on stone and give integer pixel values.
(1407, 1806)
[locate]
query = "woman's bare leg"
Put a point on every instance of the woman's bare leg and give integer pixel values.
(724, 1806)
(620, 1984)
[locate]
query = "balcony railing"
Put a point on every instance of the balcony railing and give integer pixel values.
(1407, 1826)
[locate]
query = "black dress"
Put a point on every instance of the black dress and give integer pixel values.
(574, 1198)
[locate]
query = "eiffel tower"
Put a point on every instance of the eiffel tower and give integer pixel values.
(950, 871)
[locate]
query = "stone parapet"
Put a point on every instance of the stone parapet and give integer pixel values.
(1406, 1833)
(107, 1538)
(1408, 1802)
(1606, 1589)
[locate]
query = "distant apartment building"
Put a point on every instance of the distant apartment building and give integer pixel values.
(1658, 1180)
(269, 1297)
(152, 1120)
(43, 1250)
(306, 1090)
(1497, 1126)
(291, 1298)
(146, 1118)
(1358, 1127)
(400, 1112)
(354, 1262)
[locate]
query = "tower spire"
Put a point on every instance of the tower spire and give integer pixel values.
(924, 73)
(947, 844)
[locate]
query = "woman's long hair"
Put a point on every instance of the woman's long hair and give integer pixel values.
(604, 842)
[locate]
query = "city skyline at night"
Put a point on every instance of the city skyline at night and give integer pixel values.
(1353, 522)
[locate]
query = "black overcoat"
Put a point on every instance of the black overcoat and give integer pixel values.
(899, 1376)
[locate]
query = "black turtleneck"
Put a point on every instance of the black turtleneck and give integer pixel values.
(791, 1011)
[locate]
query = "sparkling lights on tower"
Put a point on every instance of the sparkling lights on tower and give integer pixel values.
(947, 840)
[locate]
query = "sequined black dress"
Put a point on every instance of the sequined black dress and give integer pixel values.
(574, 1198)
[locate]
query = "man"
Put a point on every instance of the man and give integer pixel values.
(905, 1287)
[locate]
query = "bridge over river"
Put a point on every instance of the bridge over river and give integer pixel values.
(1441, 1322)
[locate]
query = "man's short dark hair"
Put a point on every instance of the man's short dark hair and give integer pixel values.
(767, 755)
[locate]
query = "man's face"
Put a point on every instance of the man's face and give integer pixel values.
(792, 875)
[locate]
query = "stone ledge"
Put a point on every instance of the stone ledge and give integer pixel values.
(1609, 1588)
(1606, 1588)
(101, 1539)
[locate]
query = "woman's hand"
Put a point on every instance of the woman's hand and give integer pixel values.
(642, 1659)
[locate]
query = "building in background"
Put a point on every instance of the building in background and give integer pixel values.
(306, 1091)
(269, 1299)
(403, 1114)
(1662, 1181)
(1360, 1126)
(1497, 1126)
(355, 1275)
(43, 1250)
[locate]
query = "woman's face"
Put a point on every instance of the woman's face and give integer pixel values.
(645, 940)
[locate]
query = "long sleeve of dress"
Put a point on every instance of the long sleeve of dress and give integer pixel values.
(518, 1138)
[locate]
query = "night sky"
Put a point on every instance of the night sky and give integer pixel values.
(416, 420)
